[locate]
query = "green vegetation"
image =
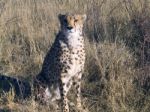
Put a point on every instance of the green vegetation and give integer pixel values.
(117, 34)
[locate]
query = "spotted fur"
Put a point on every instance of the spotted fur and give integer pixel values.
(64, 63)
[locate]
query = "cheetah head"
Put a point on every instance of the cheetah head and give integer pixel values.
(72, 23)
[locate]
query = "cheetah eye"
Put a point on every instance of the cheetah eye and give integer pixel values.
(75, 20)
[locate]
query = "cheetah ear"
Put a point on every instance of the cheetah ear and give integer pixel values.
(84, 17)
(61, 17)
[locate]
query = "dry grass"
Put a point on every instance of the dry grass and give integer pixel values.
(116, 77)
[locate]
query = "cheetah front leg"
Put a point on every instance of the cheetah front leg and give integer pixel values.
(63, 91)
(77, 84)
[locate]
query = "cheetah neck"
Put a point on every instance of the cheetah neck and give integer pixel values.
(74, 39)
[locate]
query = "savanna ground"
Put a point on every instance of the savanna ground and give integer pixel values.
(117, 34)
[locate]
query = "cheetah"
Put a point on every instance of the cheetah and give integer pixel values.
(64, 63)
(21, 88)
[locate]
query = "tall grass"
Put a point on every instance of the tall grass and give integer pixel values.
(117, 35)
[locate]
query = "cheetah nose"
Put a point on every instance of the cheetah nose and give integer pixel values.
(69, 27)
